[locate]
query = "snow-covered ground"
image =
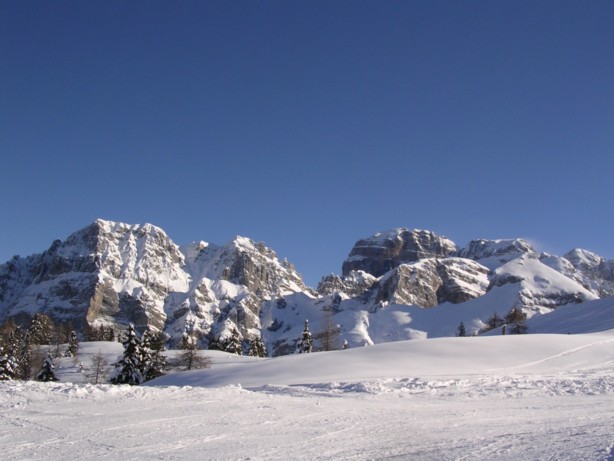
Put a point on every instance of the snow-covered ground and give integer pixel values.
(499, 397)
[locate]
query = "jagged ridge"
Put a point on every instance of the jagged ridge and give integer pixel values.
(114, 273)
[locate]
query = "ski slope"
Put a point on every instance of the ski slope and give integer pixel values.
(500, 397)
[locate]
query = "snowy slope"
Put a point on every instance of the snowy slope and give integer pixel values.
(588, 317)
(504, 398)
(442, 358)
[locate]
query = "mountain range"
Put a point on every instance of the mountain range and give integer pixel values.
(394, 285)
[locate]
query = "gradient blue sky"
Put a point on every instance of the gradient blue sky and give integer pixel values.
(308, 125)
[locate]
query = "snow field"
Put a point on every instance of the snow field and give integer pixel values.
(512, 398)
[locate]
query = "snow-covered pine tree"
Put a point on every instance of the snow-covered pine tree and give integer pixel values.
(40, 329)
(47, 371)
(8, 367)
(18, 346)
(157, 340)
(305, 345)
(232, 343)
(256, 348)
(153, 361)
(128, 367)
(109, 334)
(214, 343)
(145, 353)
(73, 344)
(346, 345)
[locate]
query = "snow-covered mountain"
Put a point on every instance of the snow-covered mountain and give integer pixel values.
(112, 274)
(399, 284)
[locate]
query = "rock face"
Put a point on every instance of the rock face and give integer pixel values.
(384, 251)
(461, 279)
(228, 286)
(596, 273)
(431, 282)
(353, 284)
(114, 274)
(415, 284)
(104, 273)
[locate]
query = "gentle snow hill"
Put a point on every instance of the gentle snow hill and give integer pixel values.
(442, 357)
(588, 317)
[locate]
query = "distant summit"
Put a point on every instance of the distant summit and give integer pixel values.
(383, 251)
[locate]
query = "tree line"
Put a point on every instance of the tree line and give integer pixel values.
(513, 323)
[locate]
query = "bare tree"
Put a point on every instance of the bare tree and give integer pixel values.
(329, 336)
(191, 357)
(36, 358)
(100, 366)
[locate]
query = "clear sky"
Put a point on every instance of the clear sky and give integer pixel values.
(308, 125)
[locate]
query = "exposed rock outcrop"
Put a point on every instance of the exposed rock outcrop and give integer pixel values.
(493, 253)
(354, 284)
(384, 251)
(431, 282)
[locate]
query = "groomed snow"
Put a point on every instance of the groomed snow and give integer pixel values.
(475, 398)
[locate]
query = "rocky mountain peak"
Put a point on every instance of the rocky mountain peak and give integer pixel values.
(384, 251)
(257, 267)
(593, 271)
(493, 253)
(114, 274)
(353, 284)
(583, 259)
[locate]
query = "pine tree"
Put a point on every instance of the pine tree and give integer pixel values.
(8, 367)
(6, 328)
(89, 332)
(128, 367)
(73, 344)
(346, 345)
(145, 353)
(232, 343)
(109, 334)
(158, 340)
(102, 333)
(461, 331)
(47, 371)
(153, 362)
(214, 343)
(305, 345)
(40, 329)
(256, 348)
(19, 347)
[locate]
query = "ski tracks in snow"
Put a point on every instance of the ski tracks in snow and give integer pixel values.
(564, 354)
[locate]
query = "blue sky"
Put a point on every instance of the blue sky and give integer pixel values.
(308, 125)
